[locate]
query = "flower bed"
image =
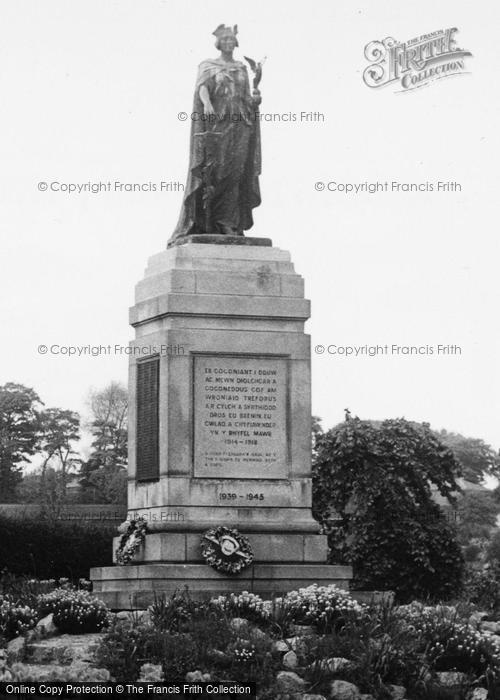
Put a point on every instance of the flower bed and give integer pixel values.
(324, 607)
(246, 605)
(74, 612)
(15, 618)
(24, 602)
(316, 640)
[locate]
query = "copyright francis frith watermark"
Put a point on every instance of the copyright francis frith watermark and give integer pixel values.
(414, 63)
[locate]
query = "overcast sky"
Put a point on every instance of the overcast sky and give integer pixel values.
(91, 91)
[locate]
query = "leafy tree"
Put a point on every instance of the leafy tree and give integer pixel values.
(496, 494)
(107, 485)
(472, 552)
(18, 434)
(316, 433)
(59, 430)
(109, 427)
(105, 471)
(372, 494)
(476, 457)
(493, 552)
(52, 493)
(28, 490)
(477, 516)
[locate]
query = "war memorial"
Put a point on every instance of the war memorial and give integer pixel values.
(219, 382)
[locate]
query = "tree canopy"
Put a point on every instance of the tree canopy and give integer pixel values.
(19, 433)
(108, 426)
(372, 493)
(105, 470)
(477, 516)
(49, 438)
(477, 459)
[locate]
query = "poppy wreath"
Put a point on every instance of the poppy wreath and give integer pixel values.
(226, 550)
(130, 541)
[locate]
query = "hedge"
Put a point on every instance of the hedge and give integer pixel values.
(44, 549)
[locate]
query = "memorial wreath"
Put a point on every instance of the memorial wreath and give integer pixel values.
(226, 550)
(133, 537)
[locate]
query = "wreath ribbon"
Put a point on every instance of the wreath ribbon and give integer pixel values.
(226, 550)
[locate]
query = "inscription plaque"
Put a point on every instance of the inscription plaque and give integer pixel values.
(240, 417)
(147, 430)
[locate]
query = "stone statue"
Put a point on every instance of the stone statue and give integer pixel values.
(224, 160)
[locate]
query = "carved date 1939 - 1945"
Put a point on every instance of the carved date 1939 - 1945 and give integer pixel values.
(225, 496)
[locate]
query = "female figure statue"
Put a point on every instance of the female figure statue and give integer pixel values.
(224, 161)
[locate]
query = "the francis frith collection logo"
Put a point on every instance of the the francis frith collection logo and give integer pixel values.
(414, 63)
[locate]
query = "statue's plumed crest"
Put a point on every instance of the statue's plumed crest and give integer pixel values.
(222, 30)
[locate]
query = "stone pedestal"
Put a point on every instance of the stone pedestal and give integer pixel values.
(220, 423)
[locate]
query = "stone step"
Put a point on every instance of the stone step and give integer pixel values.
(76, 672)
(64, 649)
(136, 586)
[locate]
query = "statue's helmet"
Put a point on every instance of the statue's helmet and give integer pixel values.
(223, 31)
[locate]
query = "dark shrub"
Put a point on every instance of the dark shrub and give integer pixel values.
(483, 589)
(121, 651)
(45, 549)
(372, 494)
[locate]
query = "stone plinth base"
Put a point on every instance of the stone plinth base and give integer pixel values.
(220, 423)
(184, 548)
(218, 239)
(135, 587)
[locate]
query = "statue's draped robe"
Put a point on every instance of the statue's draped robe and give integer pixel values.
(224, 159)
